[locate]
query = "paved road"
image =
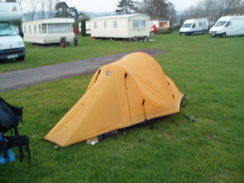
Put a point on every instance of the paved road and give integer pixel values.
(27, 77)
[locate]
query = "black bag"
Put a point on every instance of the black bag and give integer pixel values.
(10, 116)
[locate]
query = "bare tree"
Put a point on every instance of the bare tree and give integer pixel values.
(127, 6)
(158, 9)
(42, 7)
(230, 7)
(33, 4)
(171, 14)
(38, 9)
(154, 8)
(214, 9)
(51, 7)
(19, 1)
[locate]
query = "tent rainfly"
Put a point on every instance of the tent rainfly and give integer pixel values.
(120, 94)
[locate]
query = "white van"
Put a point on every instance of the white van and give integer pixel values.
(194, 26)
(228, 26)
(11, 43)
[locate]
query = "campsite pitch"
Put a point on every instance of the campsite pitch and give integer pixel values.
(209, 150)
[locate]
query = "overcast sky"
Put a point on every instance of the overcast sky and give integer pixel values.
(98, 6)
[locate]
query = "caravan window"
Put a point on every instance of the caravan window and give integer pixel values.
(39, 29)
(139, 24)
(30, 29)
(59, 28)
(35, 29)
(162, 24)
(115, 24)
(105, 25)
(25, 30)
(95, 25)
(44, 28)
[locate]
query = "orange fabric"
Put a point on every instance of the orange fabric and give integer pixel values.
(120, 94)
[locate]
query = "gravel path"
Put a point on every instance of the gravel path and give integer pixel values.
(27, 77)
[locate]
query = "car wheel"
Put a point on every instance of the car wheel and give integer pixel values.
(224, 35)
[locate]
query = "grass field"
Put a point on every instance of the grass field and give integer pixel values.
(209, 70)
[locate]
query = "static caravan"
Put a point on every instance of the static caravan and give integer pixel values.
(160, 24)
(127, 26)
(228, 26)
(48, 31)
(194, 26)
(159, 27)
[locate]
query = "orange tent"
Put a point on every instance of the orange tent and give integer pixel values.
(120, 94)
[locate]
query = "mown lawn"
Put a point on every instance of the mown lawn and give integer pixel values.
(208, 70)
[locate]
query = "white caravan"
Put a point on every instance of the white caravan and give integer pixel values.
(49, 31)
(228, 26)
(160, 24)
(11, 43)
(128, 26)
(194, 26)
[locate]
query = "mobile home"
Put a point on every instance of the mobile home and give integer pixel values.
(48, 31)
(194, 26)
(11, 43)
(127, 26)
(160, 24)
(228, 26)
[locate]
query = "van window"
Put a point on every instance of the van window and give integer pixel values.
(7, 29)
(220, 23)
(228, 24)
(186, 25)
(194, 25)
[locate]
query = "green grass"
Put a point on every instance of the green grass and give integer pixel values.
(209, 70)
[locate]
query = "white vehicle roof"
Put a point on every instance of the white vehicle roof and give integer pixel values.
(195, 19)
(10, 12)
(226, 18)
